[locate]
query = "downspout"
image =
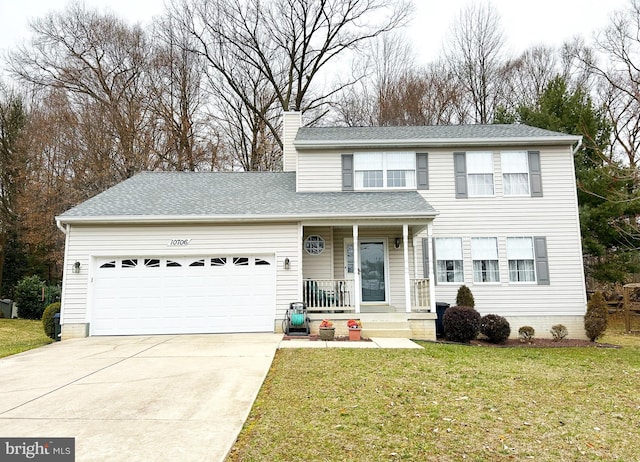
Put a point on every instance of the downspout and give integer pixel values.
(64, 272)
(578, 146)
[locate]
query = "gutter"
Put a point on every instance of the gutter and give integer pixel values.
(154, 219)
(438, 142)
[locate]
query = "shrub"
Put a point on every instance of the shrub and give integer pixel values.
(495, 328)
(559, 332)
(29, 297)
(597, 316)
(526, 333)
(461, 323)
(465, 297)
(47, 319)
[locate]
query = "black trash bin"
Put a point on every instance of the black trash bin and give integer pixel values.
(440, 309)
(5, 308)
(56, 327)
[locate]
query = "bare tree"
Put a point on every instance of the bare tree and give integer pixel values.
(474, 53)
(178, 101)
(100, 61)
(282, 49)
(13, 119)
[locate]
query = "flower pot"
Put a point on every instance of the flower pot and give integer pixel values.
(327, 333)
(354, 334)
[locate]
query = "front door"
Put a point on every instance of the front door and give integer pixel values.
(373, 272)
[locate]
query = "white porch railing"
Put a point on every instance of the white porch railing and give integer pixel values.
(328, 294)
(420, 294)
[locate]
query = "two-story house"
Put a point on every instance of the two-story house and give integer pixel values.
(375, 223)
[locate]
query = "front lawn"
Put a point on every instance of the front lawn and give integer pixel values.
(17, 335)
(447, 403)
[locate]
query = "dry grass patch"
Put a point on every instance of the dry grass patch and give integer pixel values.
(447, 403)
(17, 335)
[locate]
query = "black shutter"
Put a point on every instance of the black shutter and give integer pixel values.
(460, 168)
(535, 175)
(434, 263)
(425, 256)
(422, 170)
(347, 172)
(542, 260)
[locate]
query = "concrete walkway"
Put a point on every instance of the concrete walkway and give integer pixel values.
(151, 398)
(376, 342)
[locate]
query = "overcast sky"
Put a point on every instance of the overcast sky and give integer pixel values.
(525, 23)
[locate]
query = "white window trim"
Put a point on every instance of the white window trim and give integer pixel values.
(527, 172)
(470, 173)
(385, 169)
(497, 259)
(533, 259)
(438, 259)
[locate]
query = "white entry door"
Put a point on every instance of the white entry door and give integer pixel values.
(175, 295)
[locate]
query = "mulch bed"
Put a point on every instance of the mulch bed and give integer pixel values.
(544, 343)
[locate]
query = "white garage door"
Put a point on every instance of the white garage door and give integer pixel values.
(204, 294)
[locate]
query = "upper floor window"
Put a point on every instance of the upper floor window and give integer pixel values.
(484, 252)
(382, 170)
(515, 173)
(449, 259)
(480, 173)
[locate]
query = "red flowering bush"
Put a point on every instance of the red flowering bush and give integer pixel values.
(326, 323)
(354, 324)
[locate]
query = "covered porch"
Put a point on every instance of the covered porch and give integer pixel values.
(367, 268)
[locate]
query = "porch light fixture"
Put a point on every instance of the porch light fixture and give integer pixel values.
(398, 240)
(76, 267)
(287, 263)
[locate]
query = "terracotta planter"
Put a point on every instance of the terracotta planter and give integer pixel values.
(354, 334)
(327, 333)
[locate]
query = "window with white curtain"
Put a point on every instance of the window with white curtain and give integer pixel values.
(521, 259)
(484, 252)
(449, 259)
(382, 170)
(480, 173)
(515, 173)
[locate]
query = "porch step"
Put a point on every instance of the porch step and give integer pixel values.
(386, 328)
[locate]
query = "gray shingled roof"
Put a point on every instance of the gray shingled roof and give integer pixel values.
(437, 134)
(242, 195)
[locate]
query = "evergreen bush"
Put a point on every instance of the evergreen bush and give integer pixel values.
(28, 295)
(526, 333)
(465, 297)
(48, 321)
(597, 317)
(496, 328)
(559, 332)
(461, 323)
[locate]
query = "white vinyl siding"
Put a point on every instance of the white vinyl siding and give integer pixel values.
(515, 173)
(484, 251)
(86, 243)
(555, 216)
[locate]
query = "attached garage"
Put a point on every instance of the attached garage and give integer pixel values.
(175, 295)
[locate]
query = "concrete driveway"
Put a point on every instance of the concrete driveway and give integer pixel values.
(147, 398)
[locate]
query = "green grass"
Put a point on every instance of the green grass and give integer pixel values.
(17, 335)
(448, 403)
